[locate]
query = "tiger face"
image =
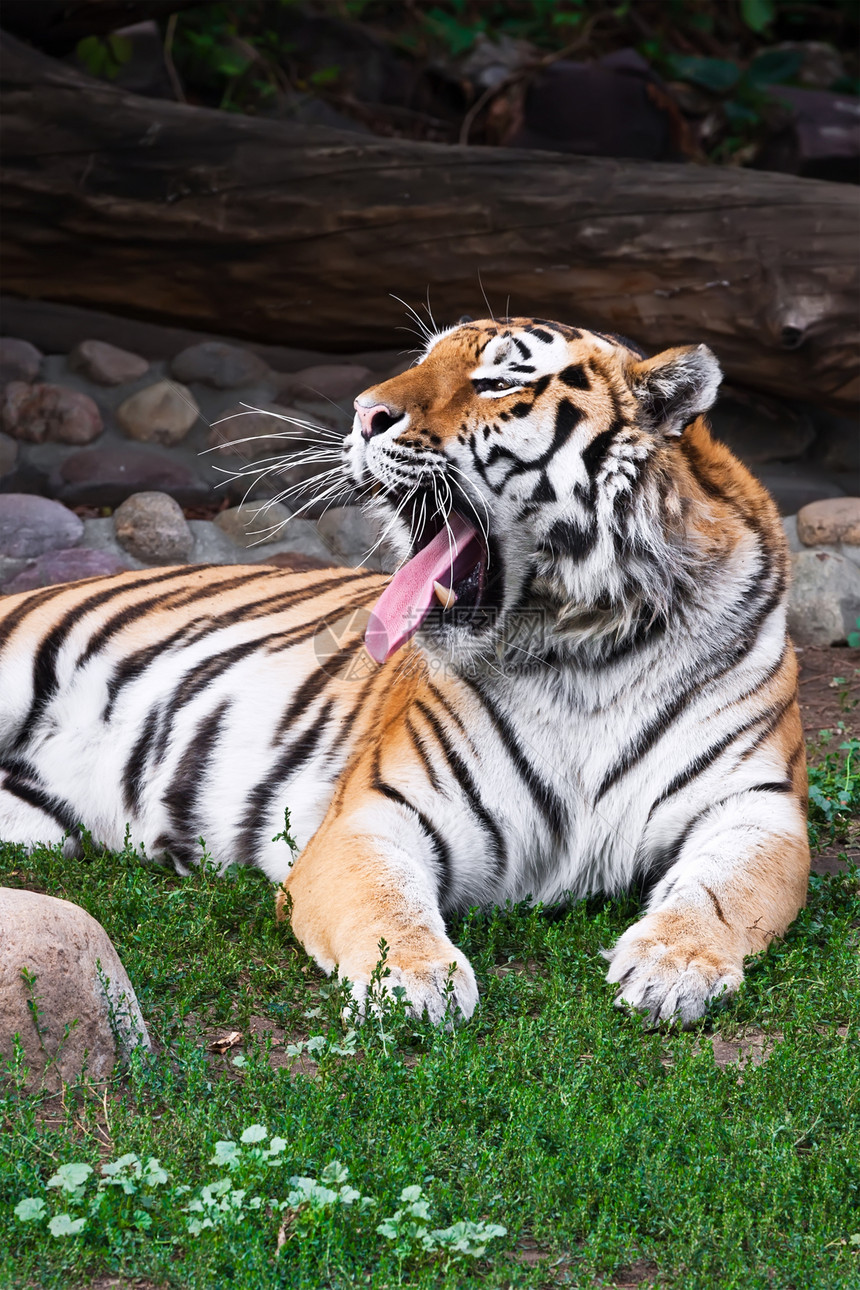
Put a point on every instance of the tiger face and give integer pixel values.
(520, 467)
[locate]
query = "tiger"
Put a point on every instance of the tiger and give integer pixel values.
(576, 681)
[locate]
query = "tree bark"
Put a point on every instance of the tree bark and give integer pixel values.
(298, 235)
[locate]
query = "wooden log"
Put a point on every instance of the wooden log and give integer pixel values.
(297, 235)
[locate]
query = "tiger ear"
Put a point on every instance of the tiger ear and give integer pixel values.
(675, 387)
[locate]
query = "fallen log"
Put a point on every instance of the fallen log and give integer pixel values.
(297, 235)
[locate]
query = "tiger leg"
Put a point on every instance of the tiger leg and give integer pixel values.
(736, 885)
(350, 889)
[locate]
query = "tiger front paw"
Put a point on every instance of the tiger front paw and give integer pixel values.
(430, 986)
(668, 973)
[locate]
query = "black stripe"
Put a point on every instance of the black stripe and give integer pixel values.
(199, 677)
(45, 661)
(704, 759)
(18, 780)
(466, 781)
(180, 800)
(260, 798)
(551, 806)
(314, 684)
(132, 775)
(576, 377)
(422, 755)
(597, 451)
(440, 846)
(771, 725)
(570, 540)
(172, 600)
(31, 602)
(668, 857)
(717, 906)
(712, 668)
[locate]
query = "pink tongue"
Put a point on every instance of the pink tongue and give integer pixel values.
(409, 596)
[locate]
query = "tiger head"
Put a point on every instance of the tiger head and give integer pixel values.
(524, 467)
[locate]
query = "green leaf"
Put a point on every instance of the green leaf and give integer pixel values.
(30, 1210)
(121, 48)
(254, 1133)
(70, 1177)
(775, 67)
(714, 74)
(226, 1153)
(758, 14)
(65, 1225)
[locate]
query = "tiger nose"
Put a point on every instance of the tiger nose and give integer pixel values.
(376, 419)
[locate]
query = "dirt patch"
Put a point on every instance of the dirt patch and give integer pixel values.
(824, 704)
(830, 696)
(555, 1267)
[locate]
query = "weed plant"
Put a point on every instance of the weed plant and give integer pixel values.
(316, 1152)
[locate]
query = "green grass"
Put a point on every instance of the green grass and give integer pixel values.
(551, 1114)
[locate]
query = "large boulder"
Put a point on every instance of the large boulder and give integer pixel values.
(63, 991)
(824, 602)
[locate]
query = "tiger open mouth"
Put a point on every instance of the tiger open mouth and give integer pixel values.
(447, 572)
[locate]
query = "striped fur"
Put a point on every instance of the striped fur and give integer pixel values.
(618, 712)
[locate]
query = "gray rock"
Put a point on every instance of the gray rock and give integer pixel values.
(63, 991)
(106, 476)
(19, 360)
(152, 528)
(831, 521)
(251, 525)
(214, 363)
(824, 602)
(36, 413)
(328, 381)
(789, 523)
(31, 525)
(8, 454)
(65, 566)
(100, 535)
(237, 432)
(212, 545)
(351, 537)
(159, 413)
(105, 364)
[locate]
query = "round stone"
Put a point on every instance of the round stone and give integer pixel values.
(159, 413)
(106, 364)
(824, 601)
(58, 963)
(40, 413)
(107, 476)
(351, 536)
(152, 527)
(213, 362)
(31, 525)
(65, 566)
(829, 522)
(19, 360)
(326, 381)
(251, 526)
(250, 435)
